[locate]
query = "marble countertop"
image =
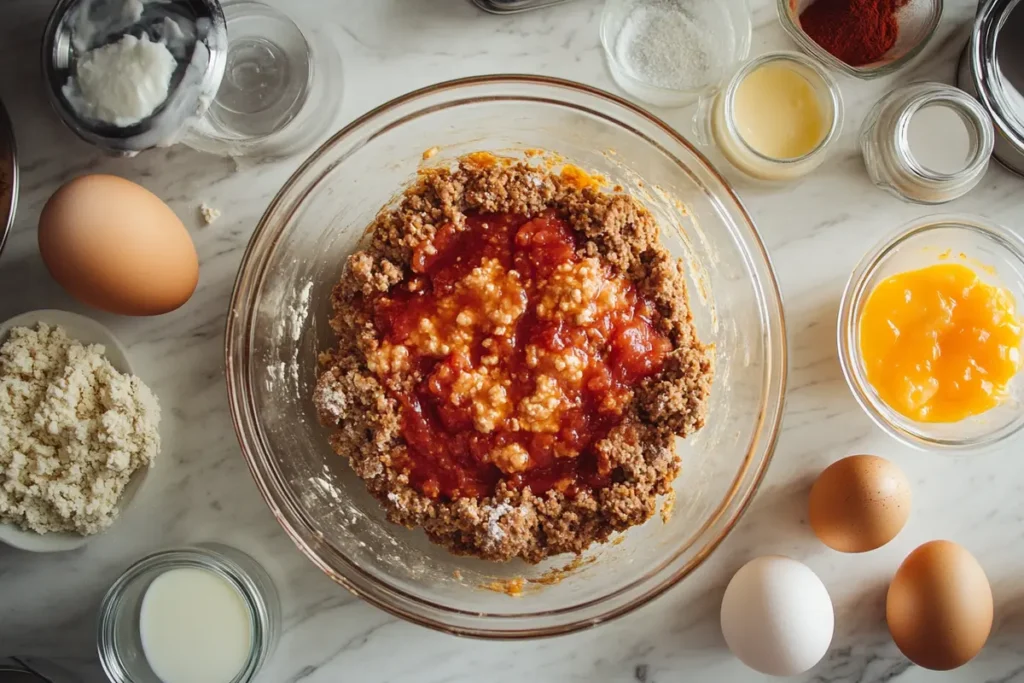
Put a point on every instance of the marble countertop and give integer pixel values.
(815, 231)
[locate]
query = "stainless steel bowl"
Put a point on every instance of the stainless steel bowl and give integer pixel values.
(992, 70)
(510, 6)
(8, 176)
(193, 86)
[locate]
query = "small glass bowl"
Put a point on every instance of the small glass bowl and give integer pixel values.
(715, 122)
(119, 641)
(281, 90)
(917, 21)
(890, 161)
(626, 24)
(997, 256)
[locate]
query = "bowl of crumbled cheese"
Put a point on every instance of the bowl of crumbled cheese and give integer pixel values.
(78, 431)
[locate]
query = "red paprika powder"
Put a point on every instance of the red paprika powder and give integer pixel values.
(857, 32)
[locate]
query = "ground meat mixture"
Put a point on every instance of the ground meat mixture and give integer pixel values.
(515, 358)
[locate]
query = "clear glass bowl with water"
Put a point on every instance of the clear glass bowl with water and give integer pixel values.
(278, 322)
(281, 88)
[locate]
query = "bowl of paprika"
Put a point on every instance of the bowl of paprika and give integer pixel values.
(863, 38)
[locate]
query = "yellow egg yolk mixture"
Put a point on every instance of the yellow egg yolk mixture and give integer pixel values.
(939, 344)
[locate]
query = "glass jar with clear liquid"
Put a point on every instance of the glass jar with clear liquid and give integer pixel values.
(281, 88)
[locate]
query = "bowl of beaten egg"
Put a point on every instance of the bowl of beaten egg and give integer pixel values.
(930, 334)
(278, 324)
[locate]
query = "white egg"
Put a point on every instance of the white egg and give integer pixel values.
(777, 616)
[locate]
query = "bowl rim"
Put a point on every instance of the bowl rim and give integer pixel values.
(855, 294)
(394, 600)
(8, 166)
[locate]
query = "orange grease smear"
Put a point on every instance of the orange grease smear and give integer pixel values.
(482, 159)
(577, 177)
(939, 344)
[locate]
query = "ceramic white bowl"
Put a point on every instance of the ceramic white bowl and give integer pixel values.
(87, 331)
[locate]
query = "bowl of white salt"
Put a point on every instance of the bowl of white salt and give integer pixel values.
(669, 53)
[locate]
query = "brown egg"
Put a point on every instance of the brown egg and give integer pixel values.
(939, 606)
(115, 246)
(859, 503)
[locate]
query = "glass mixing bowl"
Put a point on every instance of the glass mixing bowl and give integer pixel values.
(277, 324)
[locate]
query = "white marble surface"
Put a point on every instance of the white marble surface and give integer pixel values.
(815, 232)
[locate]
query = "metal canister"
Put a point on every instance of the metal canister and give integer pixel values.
(193, 86)
(992, 70)
(510, 6)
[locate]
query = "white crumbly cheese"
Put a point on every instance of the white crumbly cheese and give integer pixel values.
(208, 213)
(122, 83)
(72, 431)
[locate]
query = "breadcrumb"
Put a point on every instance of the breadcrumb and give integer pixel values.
(208, 213)
(72, 432)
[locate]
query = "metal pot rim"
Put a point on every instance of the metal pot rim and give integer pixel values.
(987, 81)
(9, 170)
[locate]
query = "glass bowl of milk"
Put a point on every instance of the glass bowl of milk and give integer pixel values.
(206, 614)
